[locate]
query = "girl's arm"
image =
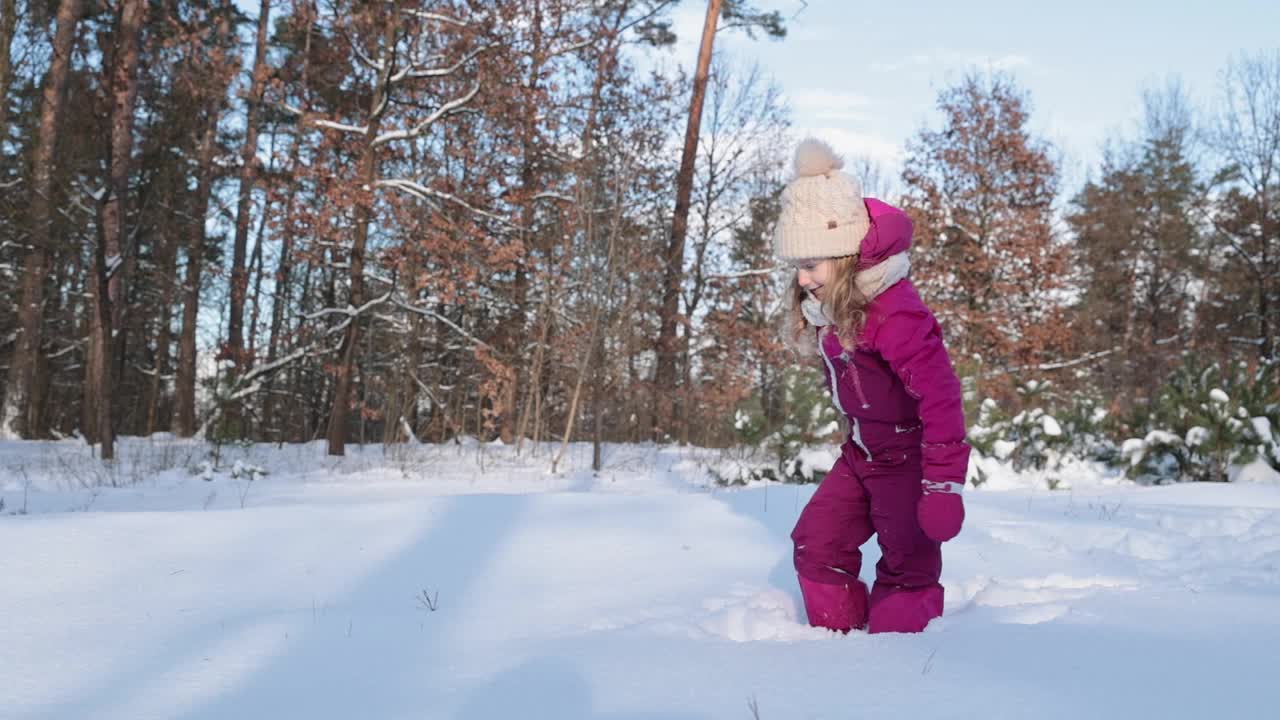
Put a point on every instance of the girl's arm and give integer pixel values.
(910, 339)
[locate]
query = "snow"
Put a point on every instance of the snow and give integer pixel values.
(1134, 449)
(1262, 427)
(830, 428)
(819, 458)
(1003, 448)
(1257, 471)
(462, 581)
(1197, 436)
(1218, 396)
(8, 414)
(1161, 437)
(1051, 426)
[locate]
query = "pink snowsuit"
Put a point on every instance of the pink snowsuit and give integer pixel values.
(903, 401)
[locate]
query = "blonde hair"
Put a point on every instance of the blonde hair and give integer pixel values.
(845, 303)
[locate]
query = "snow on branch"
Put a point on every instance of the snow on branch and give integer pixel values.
(152, 372)
(746, 273)
(376, 65)
(341, 127)
(59, 353)
(349, 311)
(446, 109)
(573, 47)
(433, 314)
(437, 17)
(552, 195)
(413, 70)
(422, 191)
(1055, 365)
(968, 234)
(251, 381)
(425, 390)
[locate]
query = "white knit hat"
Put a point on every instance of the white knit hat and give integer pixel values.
(822, 210)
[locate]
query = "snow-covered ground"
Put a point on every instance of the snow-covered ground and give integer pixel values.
(465, 582)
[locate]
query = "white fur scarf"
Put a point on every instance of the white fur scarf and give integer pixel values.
(871, 282)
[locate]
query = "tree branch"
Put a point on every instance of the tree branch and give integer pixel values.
(445, 320)
(422, 191)
(446, 109)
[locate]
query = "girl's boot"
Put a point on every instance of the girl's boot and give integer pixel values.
(904, 610)
(836, 607)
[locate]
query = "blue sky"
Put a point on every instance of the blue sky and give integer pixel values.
(866, 75)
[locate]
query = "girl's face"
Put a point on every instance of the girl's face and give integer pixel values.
(813, 275)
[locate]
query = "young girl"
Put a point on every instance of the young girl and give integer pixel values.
(903, 464)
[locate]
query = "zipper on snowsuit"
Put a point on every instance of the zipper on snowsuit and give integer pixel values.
(855, 432)
(857, 380)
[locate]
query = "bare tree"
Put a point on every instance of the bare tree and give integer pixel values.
(1246, 135)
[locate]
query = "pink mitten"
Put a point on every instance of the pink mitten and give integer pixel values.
(940, 510)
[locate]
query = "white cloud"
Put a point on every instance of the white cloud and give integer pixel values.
(951, 59)
(1004, 62)
(823, 104)
(908, 62)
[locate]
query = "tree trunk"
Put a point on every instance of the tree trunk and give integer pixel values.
(16, 410)
(169, 278)
(255, 271)
(248, 174)
(597, 404)
(535, 374)
(337, 434)
(577, 393)
(301, 412)
(184, 414)
(98, 392)
(1266, 319)
(8, 26)
(123, 85)
(673, 273)
(280, 298)
(513, 341)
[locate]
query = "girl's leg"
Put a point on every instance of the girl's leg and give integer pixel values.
(827, 537)
(906, 595)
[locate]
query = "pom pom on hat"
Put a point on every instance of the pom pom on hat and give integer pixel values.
(814, 157)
